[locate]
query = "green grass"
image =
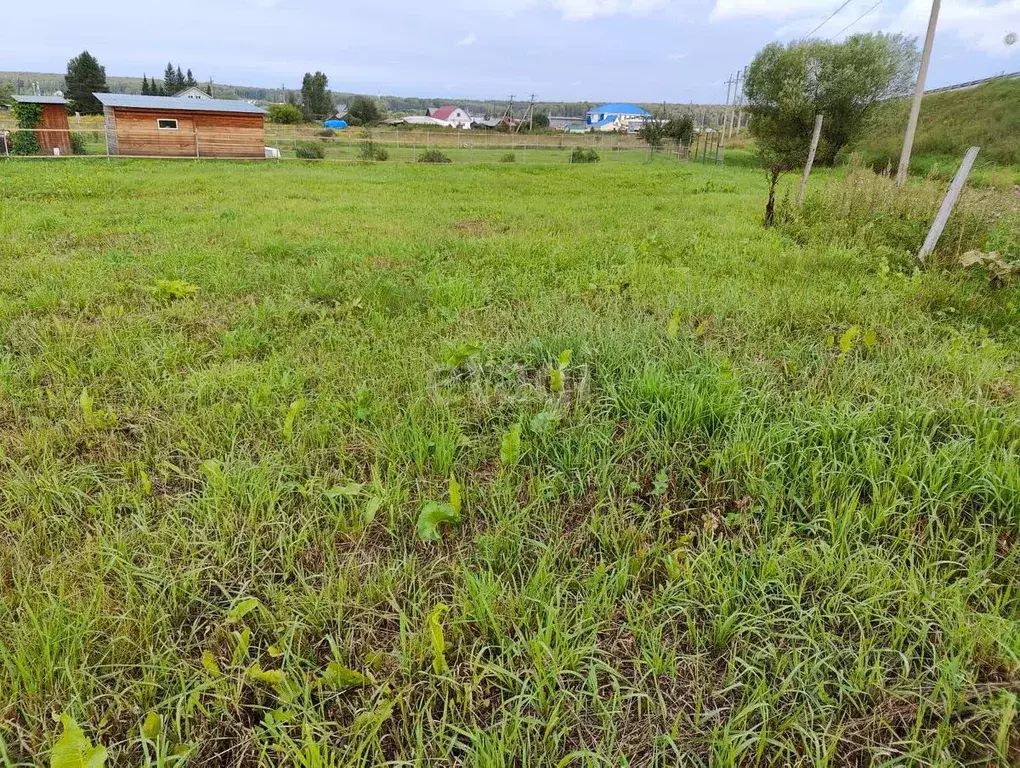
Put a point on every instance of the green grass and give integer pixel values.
(987, 116)
(725, 529)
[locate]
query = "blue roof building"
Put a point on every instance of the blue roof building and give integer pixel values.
(614, 115)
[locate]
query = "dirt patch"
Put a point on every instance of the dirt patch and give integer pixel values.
(479, 228)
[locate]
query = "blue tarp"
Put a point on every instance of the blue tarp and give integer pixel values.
(336, 124)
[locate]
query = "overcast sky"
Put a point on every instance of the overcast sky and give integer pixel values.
(634, 50)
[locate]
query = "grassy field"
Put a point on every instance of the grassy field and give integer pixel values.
(330, 465)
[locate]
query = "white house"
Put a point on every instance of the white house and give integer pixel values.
(194, 92)
(455, 116)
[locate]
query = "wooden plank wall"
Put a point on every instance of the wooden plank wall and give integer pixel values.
(54, 133)
(219, 134)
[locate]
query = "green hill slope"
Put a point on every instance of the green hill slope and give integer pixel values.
(987, 116)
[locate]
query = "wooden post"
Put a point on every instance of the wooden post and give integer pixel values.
(197, 156)
(915, 105)
(947, 205)
(106, 135)
(810, 159)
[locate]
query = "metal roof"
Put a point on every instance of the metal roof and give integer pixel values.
(134, 101)
(41, 99)
(619, 108)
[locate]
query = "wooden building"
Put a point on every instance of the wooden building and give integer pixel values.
(53, 133)
(163, 126)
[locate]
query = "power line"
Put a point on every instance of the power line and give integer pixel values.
(828, 18)
(857, 19)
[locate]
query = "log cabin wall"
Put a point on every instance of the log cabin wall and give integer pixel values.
(54, 133)
(197, 134)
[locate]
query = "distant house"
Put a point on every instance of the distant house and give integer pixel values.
(455, 116)
(616, 116)
(164, 126)
(566, 123)
(192, 92)
(53, 133)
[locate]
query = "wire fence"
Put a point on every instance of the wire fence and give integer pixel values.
(90, 137)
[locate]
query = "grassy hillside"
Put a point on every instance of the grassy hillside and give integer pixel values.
(987, 116)
(713, 495)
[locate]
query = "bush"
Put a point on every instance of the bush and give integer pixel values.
(433, 156)
(310, 150)
(582, 155)
(25, 143)
(78, 144)
(371, 151)
(326, 133)
(509, 157)
(285, 114)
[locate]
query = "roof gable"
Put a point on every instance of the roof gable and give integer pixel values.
(619, 108)
(444, 112)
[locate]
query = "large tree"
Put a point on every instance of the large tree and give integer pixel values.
(788, 85)
(316, 102)
(169, 79)
(85, 76)
(363, 111)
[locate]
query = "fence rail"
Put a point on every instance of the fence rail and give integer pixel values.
(89, 137)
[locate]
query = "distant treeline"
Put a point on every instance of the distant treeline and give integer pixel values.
(48, 82)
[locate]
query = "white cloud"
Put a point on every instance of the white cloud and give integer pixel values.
(469, 39)
(978, 24)
(677, 56)
(770, 9)
(578, 10)
(981, 26)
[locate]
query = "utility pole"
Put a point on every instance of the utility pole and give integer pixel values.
(725, 112)
(735, 117)
(915, 106)
(740, 111)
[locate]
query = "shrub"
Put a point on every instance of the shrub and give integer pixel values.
(25, 143)
(583, 155)
(509, 157)
(371, 151)
(78, 144)
(285, 114)
(433, 156)
(309, 150)
(326, 133)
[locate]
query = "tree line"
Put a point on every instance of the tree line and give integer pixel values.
(174, 81)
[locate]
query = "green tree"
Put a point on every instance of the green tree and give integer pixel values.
(85, 76)
(285, 114)
(6, 92)
(787, 85)
(363, 111)
(169, 79)
(178, 79)
(146, 91)
(316, 101)
(208, 88)
(189, 81)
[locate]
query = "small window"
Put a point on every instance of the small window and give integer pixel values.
(166, 124)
